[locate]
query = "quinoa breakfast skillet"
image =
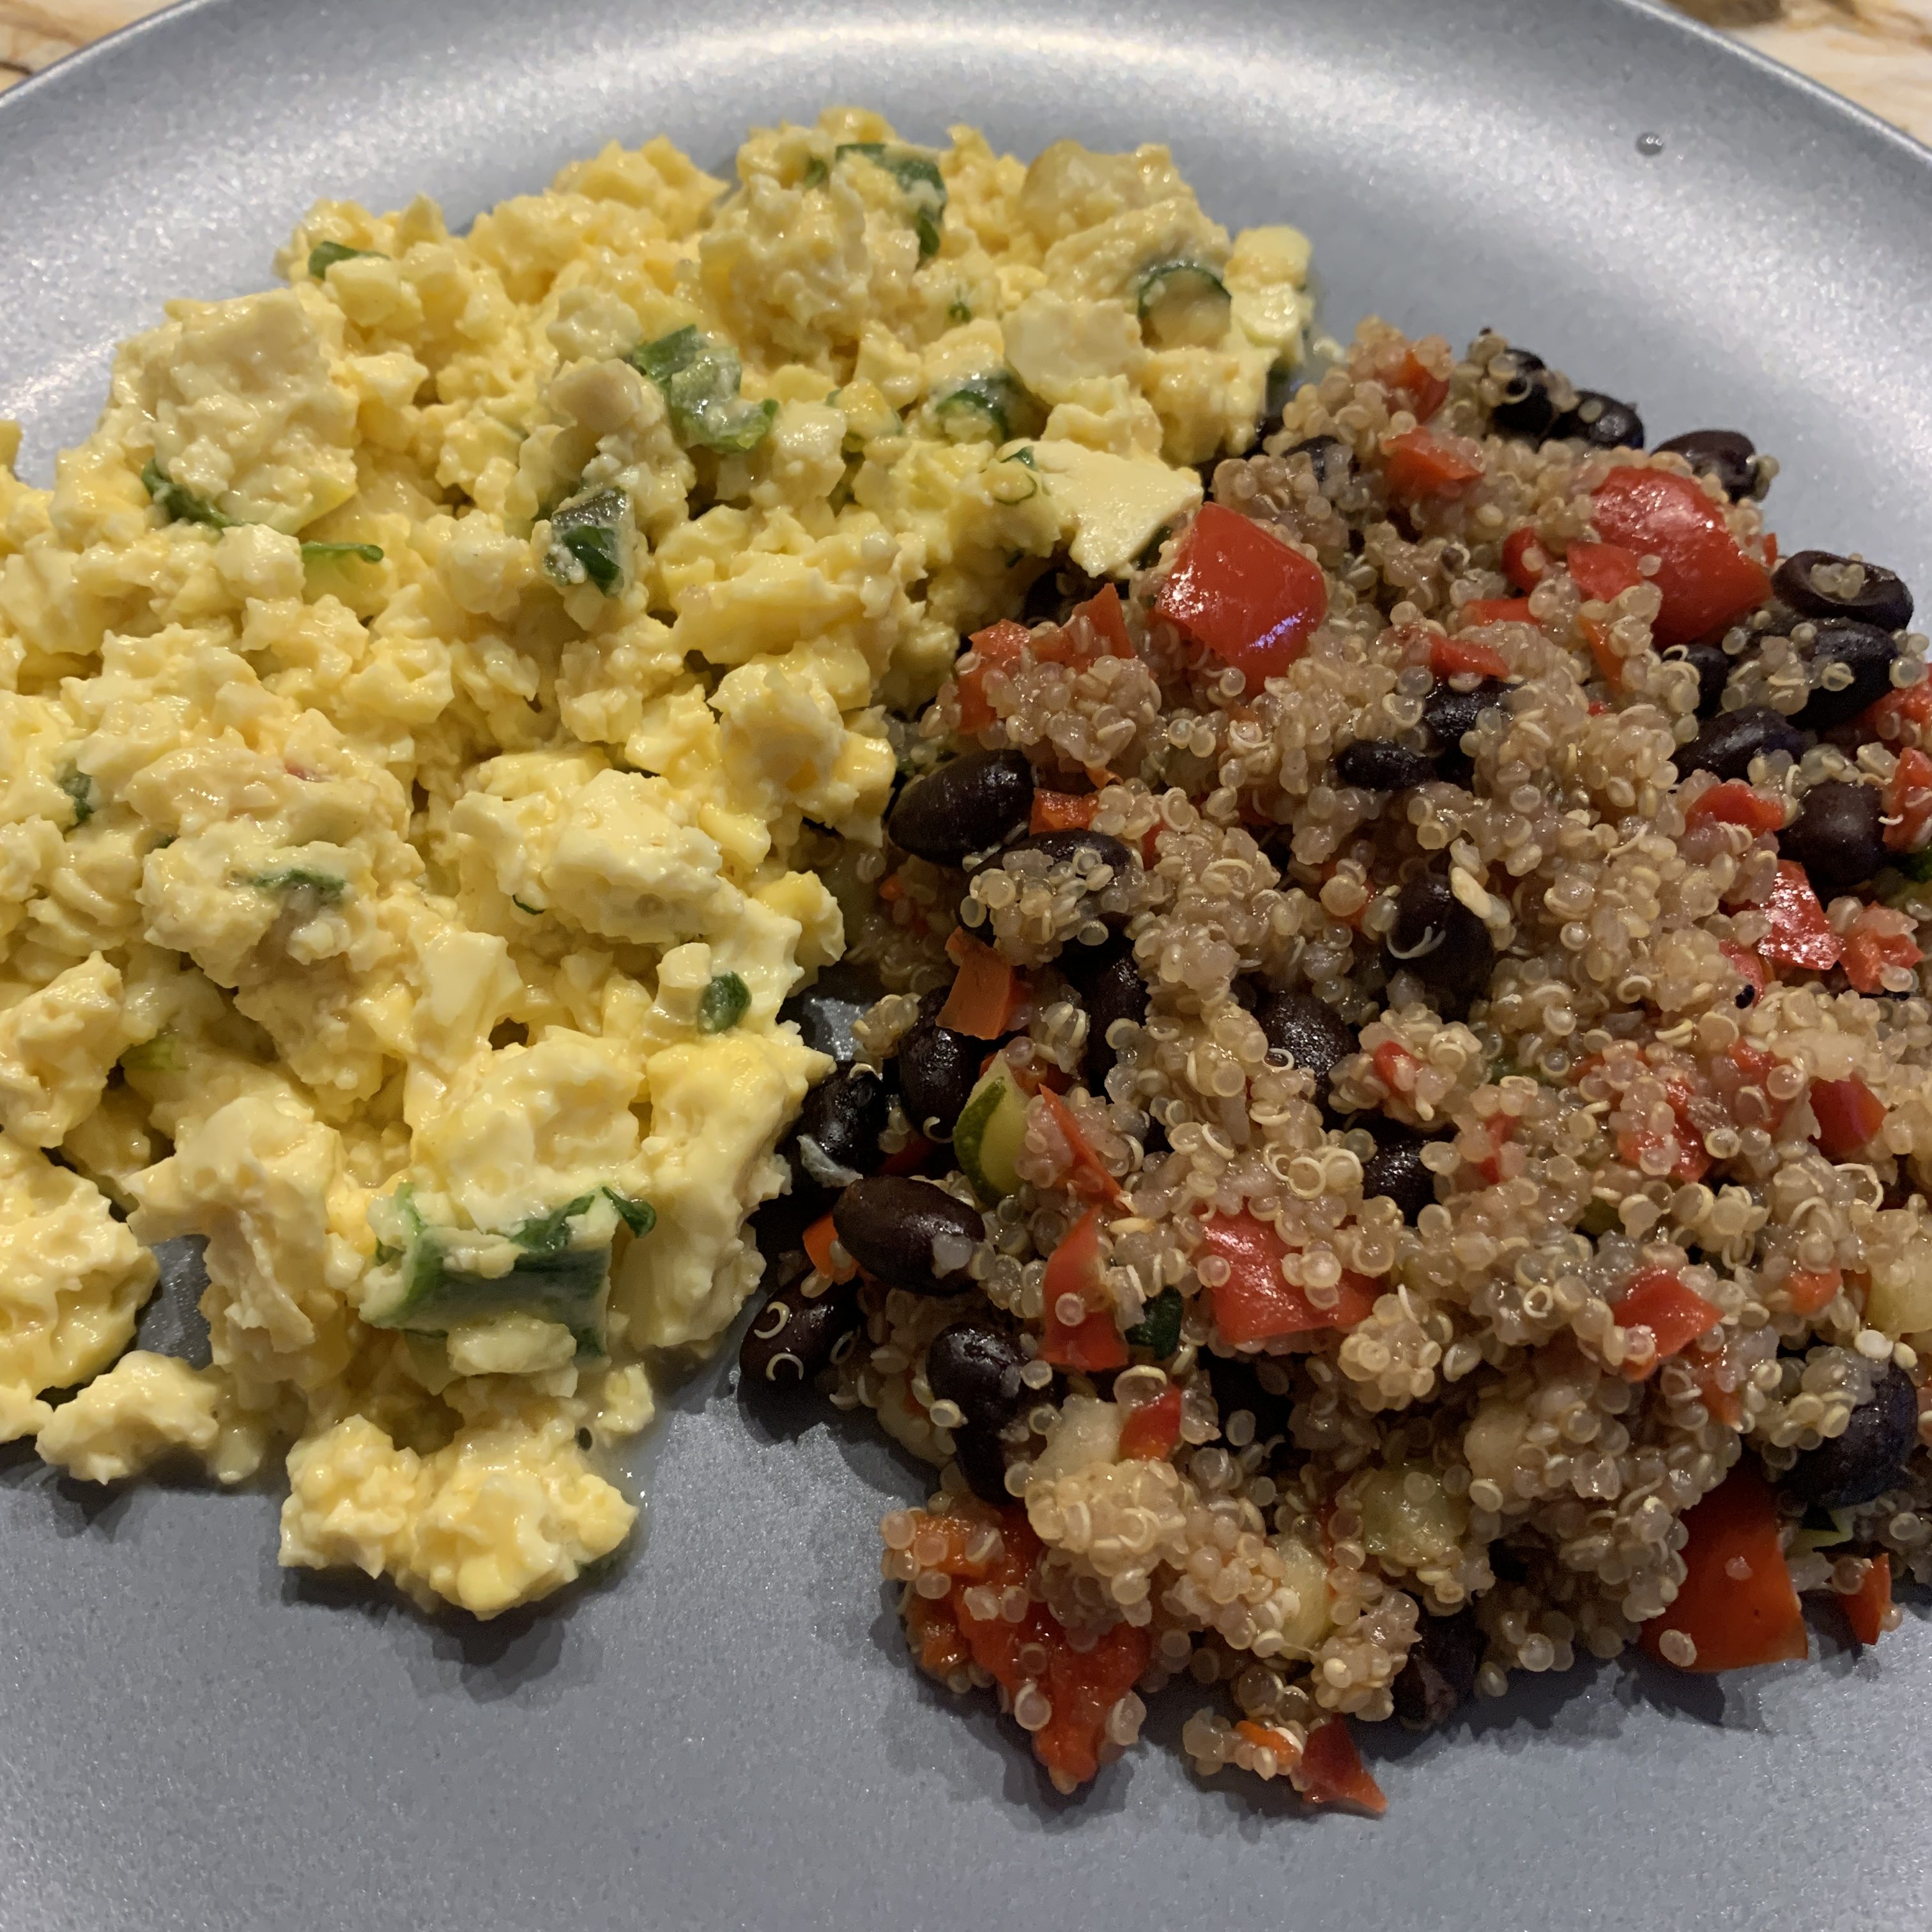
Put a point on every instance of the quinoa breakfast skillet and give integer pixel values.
(795, 1481)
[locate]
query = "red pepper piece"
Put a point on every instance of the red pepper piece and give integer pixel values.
(1603, 572)
(1063, 811)
(996, 648)
(1706, 579)
(1089, 1176)
(1811, 1289)
(1750, 967)
(1103, 610)
(1449, 656)
(1798, 934)
(1734, 1619)
(1848, 1114)
(1525, 563)
(1256, 1303)
(1426, 392)
(986, 992)
(1331, 1770)
(1908, 803)
(1421, 463)
(1880, 937)
(1078, 1266)
(1675, 1316)
(1481, 610)
(1867, 1608)
(1242, 594)
(1735, 803)
(818, 1251)
(1151, 1431)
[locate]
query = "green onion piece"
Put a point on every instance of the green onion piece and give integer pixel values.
(1182, 281)
(816, 173)
(79, 788)
(958, 309)
(535, 912)
(587, 541)
(327, 553)
(179, 505)
(324, 255)
(700, 378)
(550, 1234)
(991, 400)
(920, 181)
(301, 878)
(1159, 1328)
(723, 1004)
(637, 1215)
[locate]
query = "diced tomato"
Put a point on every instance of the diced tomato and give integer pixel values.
(1481, 610)
(1396, 1067)
(1881, 936)
(1078, 1266)
(1706, 580)
(1243, 595)
(1426, 392)
(1089, 1176)
(1691, 1163)
(1798, 934)
(1908, 803)
(1449, 656)
(986, 992)
(1256, 1303)
(1900, 714)
(996, 648)
(818, 1251)
(1421, 463)
(1867, 1608)
(1525, 560)
(1750, 967)
(1609, 665)
(1676, 1317)
(1063, 811)
(1735, 803)
(1848, 1114)
(1736, 1603)
(1331, 1770)
(1103, 610)
(1603, 572)
(1151, 1431)
(1811, 1289)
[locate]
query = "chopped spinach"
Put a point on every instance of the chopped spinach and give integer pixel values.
(639, 1216)
(723, 1004)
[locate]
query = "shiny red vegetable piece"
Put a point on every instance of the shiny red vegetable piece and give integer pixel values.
(1867, 1607)
(1675, 1315)
(1848, 1114)
(1150, 1431)
(1734, 1619)
(1331, 1770)
(1706, 579)
(1243, 595)
(1421, 463)
(1735, 803)
(1449, 656)
(1526, 561)
(1078, 1266)
(1255, 1304)
(1799, 934)
(1603, 572)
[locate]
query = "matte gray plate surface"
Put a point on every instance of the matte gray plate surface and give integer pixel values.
(729, 1734)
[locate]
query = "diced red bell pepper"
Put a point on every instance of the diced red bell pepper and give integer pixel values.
(1908, 803)
(1811, 1289)
(1603, 572)
(1396, 1067)
(1609, 664)
(1798, 934)
(1151, 1431)
(1867, 1607)
(1426, 392)
(1675, 1316)
(1242, 594)
(1103, 610)
(1750, 967)
(1089, 1176)
(1735, 803)
(1880, 937)
(1078, 1266)
(1727, 1405)
(1481, 610)
(1691, 1163)
(996, 648)
(1256, 1303)
(1706, 580)
(1525, 563)
(1448, 657)
(1063, 811)
(1421, 463)
(1094, 1345)
(986, 992)
(1900, 714)
(1734, 1619)
(1848, 1114)
(818, 1251)
(1331, 1770)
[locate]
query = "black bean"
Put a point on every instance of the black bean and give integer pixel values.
(1116, 992)
(842, 1119)
(1882, 599)
(794, 1338)
(1063, 848)
(1727, 745)
(1868, 653)
(965, 806)
(1238, 1386)
(1601, 421)
(1836, 837)
(1728, 454)
(976, 1367)
(1526, 409)
(938, 1069)
(1311, 1033)
(1451, 715)
(824, 1011)
(1439, 939)
(1331, 458)
(1395, 1171)
(1380, 764)
(1440, 1674)
(1051, 596)
(1712, 664)
(1869, 1457)
(890, 1223)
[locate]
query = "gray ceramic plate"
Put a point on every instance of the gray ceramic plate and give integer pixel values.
(729, 1734)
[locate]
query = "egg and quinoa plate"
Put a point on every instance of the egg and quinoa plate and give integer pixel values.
(451, 702)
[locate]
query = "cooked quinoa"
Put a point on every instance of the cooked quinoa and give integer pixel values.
(1398, 1068)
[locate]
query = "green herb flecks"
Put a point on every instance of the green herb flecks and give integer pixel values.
(80, 788)
(958, 310)
(919, 182)
(1159, 1329)
(179, 505)
(325, 885)
(817, 174)
(639, 1216)
(699, 377)
(587, 541)
(723, 1004)
(333, 552)
(981, 409)
(524, 905)
(324, 255)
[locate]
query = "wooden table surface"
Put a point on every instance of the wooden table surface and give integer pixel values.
(1879, 51)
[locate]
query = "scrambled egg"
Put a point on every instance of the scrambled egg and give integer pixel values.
(423, 694)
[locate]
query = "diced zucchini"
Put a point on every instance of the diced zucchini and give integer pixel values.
(1308, 1577)
(79, 788)
(1159, 1329)
(587, 541)
(324, 255)
(338, 553)
(723, 1004)
(981, 410)
(990, 1131)
(1408, 1518)
(699, 377)
(179, 505)
(920, 181)
(1184, 302)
